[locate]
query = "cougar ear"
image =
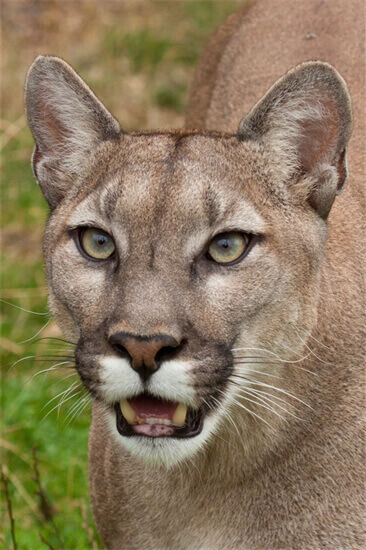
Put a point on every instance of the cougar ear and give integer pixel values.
(305, 119)
(67, 122)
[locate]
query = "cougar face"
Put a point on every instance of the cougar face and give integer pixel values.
(172, 258)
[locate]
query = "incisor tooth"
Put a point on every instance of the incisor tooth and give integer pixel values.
(127, 411)
(179, 417)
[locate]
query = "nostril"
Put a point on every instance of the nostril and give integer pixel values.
(164, 354)
(120, 348)
(167, 353)
(122, 351)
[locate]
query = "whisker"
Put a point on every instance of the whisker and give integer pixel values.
(257, 361)
(39, 358)
(53, 356)
(271, 362)
(65, 396)
(20, 361)
(261, 358)
(58, 352)
(281, 390)
(207, 404)
(58, 380)
(254, 414)
(274, 354)
(35, 336)
(59, 405)
(80, 411)
(263, 404)
(261, 396)
(77, 408)
(261, 392)
(48, 361)
(53, 368)
(71, 388)
(74, 407)
(55, 338)
(249, 370)
(244, 356)
(312, 352)
(70, 360)
(248, 410)
(56, 346)
(226, 413)
(248, 388)
(286, 347)
(22, 308)
(309, 335)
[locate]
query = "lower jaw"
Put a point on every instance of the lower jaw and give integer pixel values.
(191, 428)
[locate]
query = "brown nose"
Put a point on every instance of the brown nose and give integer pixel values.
(145, 352)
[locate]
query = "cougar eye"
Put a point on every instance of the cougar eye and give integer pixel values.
(96, 243)
(227, 248)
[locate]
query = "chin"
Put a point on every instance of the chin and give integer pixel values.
(163, 450)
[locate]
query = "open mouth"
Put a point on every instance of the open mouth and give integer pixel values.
(154, 417)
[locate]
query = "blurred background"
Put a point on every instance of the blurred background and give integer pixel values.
(139, 58)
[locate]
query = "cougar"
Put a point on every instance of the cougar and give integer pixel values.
(210, 278)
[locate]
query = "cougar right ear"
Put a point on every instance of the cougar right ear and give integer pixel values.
(305, 122)
(67, 121)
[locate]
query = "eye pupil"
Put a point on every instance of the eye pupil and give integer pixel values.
(96, 243)
(228, 248)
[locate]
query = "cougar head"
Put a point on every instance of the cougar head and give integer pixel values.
(183, 262)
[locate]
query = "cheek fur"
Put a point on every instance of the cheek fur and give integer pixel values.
(227, 298)
(77, 283)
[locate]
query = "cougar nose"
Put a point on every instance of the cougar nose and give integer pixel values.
(145, 352)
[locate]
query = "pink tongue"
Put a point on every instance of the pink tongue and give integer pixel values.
(147, 407)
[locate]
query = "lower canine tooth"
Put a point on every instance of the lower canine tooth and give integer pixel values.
(127, 411)
(179, 416)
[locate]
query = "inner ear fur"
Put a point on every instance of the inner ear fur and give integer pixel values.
(67, 121)
(305, 122)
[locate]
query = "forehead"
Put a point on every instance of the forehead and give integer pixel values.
(193, 180)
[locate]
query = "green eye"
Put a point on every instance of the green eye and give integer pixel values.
(226, 248)
(96, 243)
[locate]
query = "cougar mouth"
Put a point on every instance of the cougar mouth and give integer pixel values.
(151, 416)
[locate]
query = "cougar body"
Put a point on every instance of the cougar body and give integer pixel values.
(273, 347)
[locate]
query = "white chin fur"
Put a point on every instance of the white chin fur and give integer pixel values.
(164, 450)
(171, 381)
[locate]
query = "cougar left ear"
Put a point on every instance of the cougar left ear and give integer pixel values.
(305, 120)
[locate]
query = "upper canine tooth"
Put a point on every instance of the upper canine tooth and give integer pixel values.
(127, 411)
(179, 416)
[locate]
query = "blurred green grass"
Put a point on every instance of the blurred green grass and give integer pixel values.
(139, 57)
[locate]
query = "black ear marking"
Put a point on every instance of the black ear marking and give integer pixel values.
(36, 158)
(342, 171)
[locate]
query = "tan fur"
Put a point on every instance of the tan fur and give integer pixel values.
(280, 474)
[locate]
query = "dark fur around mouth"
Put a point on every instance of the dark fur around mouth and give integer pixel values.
(192, 426)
